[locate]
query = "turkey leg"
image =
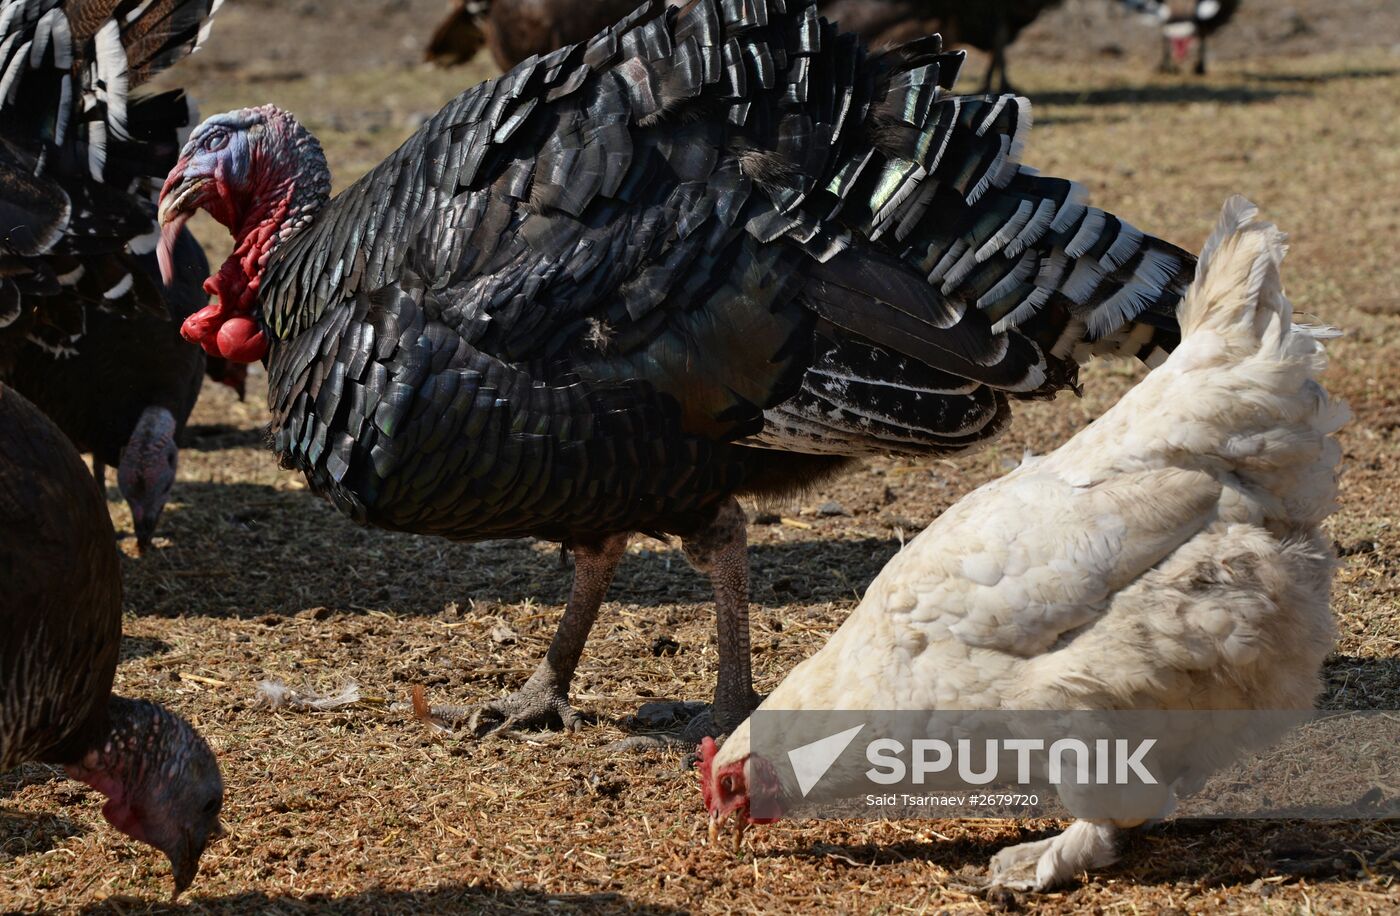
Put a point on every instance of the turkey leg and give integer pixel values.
(997, 67)
(721, 551)
(543, 701)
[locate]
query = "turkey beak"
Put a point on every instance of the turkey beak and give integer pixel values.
(179, 198)
(184, 864)
(145, 533)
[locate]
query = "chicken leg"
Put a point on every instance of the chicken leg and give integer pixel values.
(1046, 864)
(543, 701)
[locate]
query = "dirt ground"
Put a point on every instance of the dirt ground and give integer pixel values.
(366, 810)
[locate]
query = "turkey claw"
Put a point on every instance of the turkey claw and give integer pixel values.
(524, 711)
(699, 726)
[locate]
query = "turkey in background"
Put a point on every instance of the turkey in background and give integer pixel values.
(987, 25)
(1185, 23)
(516, 29)
(126, 390)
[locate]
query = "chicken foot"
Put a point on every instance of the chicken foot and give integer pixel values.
(543, 701)
(1046, 864)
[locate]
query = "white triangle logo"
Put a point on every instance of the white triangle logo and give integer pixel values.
(811, 761)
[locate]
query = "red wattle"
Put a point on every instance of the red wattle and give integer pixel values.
(240, 339)
(203, 324)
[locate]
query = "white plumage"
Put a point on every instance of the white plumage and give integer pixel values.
(1169, 556)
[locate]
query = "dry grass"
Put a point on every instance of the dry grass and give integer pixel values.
(366, 810)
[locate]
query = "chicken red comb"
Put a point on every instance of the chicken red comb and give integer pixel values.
(705, 765)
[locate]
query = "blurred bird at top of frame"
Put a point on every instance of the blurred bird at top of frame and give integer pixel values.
(516, 29)
(717, 251)
(1170, 556)
(987, 25)
(1184, 24)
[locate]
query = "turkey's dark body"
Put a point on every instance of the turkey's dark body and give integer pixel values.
(970, 22)
(60, 593)
(122, 365)
(558, 311)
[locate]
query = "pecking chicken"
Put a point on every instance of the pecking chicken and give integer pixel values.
(60, 637)
(81, 159)
(1169, 556)
(718, 250)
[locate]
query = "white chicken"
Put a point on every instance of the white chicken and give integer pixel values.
(1169, 556)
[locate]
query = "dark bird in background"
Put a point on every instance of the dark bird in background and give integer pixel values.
(81, 157)
(1185, 23)
(127, 389)
(60, 636)
(516, 29)
(722, 252)
(990, 26)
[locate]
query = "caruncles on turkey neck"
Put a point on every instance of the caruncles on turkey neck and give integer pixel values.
(718, 252)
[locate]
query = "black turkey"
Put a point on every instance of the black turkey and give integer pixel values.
(127, 389)
(60, 632)
(81, 157)
(719, 253)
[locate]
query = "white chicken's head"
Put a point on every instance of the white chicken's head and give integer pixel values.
(729, 787)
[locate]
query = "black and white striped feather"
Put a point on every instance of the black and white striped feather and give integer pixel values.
(82, 156)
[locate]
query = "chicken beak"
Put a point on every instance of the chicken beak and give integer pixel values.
(739, 824)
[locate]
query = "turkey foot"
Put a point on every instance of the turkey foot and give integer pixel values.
(543, 702)
(538, 705)
(1046, 864)
(694, 723)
